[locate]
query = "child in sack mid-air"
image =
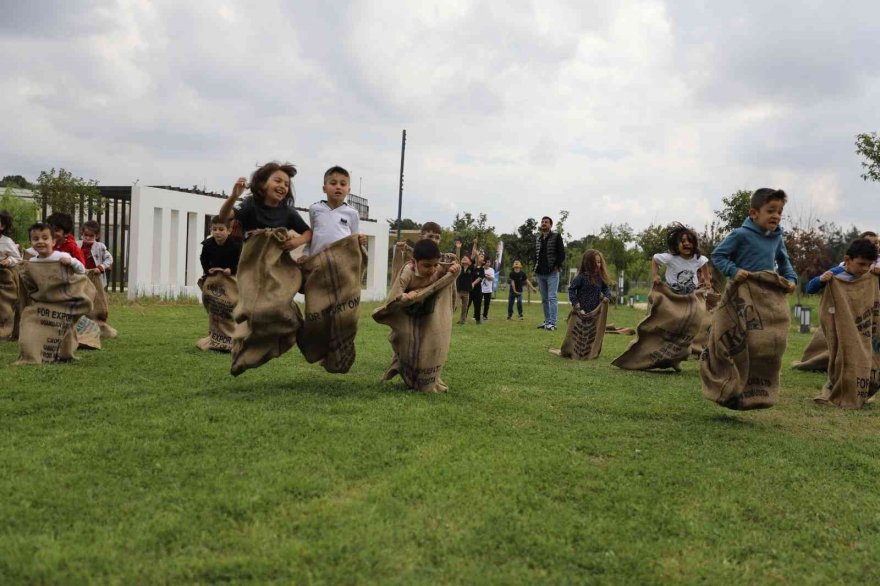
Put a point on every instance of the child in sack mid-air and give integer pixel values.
(333, 219)
(860, 257)
(686, 268)
(95, 252)
(590, 287)
(220, 251)
(424, 270)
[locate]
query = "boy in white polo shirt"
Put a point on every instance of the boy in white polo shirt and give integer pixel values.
(333, 219)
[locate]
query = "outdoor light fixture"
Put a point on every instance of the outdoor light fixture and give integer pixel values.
(797, 310)
(632, 301)
(805, 320)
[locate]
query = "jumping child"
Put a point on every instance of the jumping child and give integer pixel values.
(686, 268)
(43, 239)
(860, 257)
(590, 287)
(333, 219)
(220, 252)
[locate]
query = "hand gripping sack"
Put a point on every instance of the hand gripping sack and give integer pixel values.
(10, 302)
(58, 298)
(664, 337)
(100, 311)
(850, 315)
(219, 297)
(332, 308)
(584, 334)
(266, 317)
(421, 329)
(740, 364)
(816, 354)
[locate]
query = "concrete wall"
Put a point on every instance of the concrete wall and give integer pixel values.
(167, 228)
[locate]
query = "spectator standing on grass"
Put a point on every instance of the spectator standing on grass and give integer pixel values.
(477, 287)
(517, 280)
(463, 285)
(486, 286)
(549, 260)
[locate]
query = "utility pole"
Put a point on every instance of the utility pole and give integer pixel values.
(400, 190)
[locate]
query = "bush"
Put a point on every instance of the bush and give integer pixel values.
(24, 213)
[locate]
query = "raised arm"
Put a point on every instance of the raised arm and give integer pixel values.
(227, 210)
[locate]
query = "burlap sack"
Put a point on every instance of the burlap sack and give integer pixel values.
(88, 334)
(613, 329)
(333, 300)
(400, 256)
(10, 303)
(815, 356)
(100, 312)
(266, 317)
(584, 335)
(664, 337)
(702, 337)
(740, 364)
(219, 296)
(421, 329)
(58, 298)
(850, 315)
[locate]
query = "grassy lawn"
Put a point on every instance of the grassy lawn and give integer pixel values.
(147, 463)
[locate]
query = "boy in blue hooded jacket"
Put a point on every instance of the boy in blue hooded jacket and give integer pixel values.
(757, 245)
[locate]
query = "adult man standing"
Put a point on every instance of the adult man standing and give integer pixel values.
(549, 259)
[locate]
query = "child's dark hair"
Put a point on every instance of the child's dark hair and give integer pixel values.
(591, 268)
(432, 227)
(60, 220)
(218, 221)
(862, 248)
(765, 195)
(6, 220)
(335, 170)
(261, 176)
(673, 238)
(866, 234)
(39, 227)
(426, 250)
(91, 225)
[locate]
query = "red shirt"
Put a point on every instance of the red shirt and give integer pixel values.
(69, 246)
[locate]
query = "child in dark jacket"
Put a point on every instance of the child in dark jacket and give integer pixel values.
(590, 287)
(221, 251)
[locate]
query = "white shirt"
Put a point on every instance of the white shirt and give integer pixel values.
(8, 249)
(330, 225)
(56, 256)
(486, 283)
(681, 273)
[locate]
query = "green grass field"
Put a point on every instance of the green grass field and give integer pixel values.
(147, 463)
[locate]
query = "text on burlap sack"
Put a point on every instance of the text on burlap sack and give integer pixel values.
(340, 307)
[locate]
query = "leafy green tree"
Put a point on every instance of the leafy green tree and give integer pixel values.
(652, 240)
(16, 181)
(612, 243)
(735, 211)
(808, 253)
(470, 228)
(521, 246)
(23, 212)
(63, 192)
(868, 145)
(405, 224)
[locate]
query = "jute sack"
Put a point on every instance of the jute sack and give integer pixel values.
(332, 309)
(816, 354)
(850, 315)
(219, 296)
(401, 256)
(58, 298)
(10, 303)
(88, 334)
(664, 337)
(100, 311)
(702, 337)
(421, 329)
(740, 364)
(266, 317)
(584, 335)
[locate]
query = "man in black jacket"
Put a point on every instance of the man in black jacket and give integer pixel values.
(549, 260)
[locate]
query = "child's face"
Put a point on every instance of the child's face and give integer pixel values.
(60, 235)
(219, 232)
(43, 242)
(858, 266)
(427, 267)
(88, 237)
(871, 239)
(685, 246)
(517, 266)
(276, 188)
(481, 260)
(431, 236)
(769, 216)
(465, 262)
(337, 187)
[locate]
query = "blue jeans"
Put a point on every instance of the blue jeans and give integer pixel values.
(511, 297)
(547, 286)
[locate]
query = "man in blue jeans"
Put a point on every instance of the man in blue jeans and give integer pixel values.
(549, 260)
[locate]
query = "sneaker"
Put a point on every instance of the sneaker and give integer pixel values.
(551, 327)
(485, 318)
(520, 318)
(543, 326)
(509, 318)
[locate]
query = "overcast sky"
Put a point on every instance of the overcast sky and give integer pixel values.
(639, 112)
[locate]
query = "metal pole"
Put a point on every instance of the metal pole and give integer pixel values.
(400, 191)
